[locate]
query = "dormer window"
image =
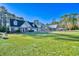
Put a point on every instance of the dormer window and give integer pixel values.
(15, 22)
(33, 25)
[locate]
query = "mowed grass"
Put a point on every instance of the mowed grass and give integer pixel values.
(41, 44)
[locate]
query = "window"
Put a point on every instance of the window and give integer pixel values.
(33, 25)
(15, 22)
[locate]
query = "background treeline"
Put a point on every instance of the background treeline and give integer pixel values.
(68, 21)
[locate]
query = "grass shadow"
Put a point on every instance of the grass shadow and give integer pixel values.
(35, 33)
(66, 37)
(58, 36)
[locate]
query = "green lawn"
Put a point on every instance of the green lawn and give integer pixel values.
(41, 44)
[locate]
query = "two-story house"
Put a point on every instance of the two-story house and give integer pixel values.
(15, 23)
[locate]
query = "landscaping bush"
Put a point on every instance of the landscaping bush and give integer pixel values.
(18, 31)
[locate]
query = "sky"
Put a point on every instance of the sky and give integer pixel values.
(44, 12)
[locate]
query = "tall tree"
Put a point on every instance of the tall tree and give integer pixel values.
(65, 20)
(54, 21)
(70, 21)
(74, 20)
